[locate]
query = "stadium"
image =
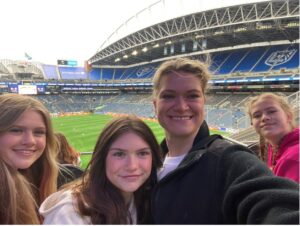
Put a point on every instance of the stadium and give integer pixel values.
(252, 48)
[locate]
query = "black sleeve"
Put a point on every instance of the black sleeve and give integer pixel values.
(253, 195)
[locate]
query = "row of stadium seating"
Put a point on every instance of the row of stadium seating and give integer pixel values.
(222, 110)
(257, 61)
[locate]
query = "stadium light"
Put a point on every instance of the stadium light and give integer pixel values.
(117, 59)
(156, 45)
(134, 53)
(168, 42)
(145, 49)
(125, 56)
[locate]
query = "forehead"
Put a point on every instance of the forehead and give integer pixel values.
(265, 102)
(128, 138)
(180, 80)
(32, 116)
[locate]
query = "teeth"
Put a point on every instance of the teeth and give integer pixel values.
(181, 118)
(25, 152)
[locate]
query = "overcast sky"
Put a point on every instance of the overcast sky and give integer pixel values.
(48, 30)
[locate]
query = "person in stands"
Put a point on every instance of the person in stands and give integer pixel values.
(66, 153)
(273, 119)
(206, 179)
(115, 188)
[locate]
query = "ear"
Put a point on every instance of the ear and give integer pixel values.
(154, 101)
(289, 116)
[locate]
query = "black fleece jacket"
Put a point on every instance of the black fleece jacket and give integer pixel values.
(219, 182)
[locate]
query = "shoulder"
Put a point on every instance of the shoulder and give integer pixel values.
(224, 146)
(60, 208)
(236, 158)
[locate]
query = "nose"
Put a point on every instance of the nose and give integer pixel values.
(265, 117)
(132, 162)
(181, 104)
(28, 138)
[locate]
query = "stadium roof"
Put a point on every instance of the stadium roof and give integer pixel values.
(200, 32)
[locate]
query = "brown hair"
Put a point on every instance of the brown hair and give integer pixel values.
(43, 173)
(97, 196)
(196, 67)
(17, 205)
(66, 153)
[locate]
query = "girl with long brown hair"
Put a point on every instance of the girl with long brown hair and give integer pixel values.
(115, 188)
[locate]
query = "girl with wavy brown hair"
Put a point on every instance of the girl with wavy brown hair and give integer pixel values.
(115, 188)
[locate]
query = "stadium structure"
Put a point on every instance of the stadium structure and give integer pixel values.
(252, 48)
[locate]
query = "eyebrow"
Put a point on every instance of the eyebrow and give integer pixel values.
(21, 126)
(120, 149)
(266, 109)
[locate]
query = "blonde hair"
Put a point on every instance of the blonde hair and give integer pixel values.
(281, 100)
(196, 67)
(43, 173)
(17, 205)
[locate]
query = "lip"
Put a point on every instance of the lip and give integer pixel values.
(131, 177)
(266, 125)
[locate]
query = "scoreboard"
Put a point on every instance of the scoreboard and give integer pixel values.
(67, 62)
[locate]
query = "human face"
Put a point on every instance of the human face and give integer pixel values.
(270, 120)
(179, 104)
(128, 163)
(25, 141)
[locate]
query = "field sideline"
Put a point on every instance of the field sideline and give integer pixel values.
(82, 131)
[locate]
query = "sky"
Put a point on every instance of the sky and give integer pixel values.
(48, 30)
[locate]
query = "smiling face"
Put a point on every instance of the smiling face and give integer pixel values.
(128, 163)
(25, 141)
(270, 120)
(179, 104)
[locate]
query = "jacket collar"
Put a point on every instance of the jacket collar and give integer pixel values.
(203, 132)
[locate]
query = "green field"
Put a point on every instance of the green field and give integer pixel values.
(83, 131)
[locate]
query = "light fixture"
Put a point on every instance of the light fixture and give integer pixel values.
(156, 45)
(117, 59)
(134, 53)
(125, 56)
(145, 49)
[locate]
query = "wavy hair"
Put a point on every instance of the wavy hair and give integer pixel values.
(17, 205)
(43, 173)
(66, 153)
(97, 196)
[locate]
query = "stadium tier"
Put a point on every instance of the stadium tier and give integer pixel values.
(251, 48)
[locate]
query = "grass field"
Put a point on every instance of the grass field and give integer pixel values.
(82, 131)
